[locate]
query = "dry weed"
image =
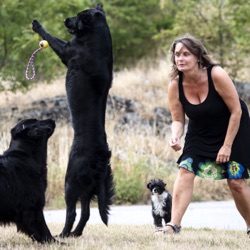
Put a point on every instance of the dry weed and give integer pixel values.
(126, 237)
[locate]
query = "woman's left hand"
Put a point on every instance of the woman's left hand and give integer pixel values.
(223, 155)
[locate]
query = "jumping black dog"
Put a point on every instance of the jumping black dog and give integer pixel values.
(89, 60)
(23, 179)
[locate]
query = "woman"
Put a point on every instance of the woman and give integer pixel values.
(217, 142)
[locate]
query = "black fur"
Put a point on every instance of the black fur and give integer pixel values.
(161, 201)
(23, 179)
(89, 59)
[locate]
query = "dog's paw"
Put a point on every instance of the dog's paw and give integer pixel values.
(36, 25)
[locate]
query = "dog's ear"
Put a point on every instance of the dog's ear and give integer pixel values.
(22, 127)
(149, 185)
(16, 131)
(162, 183)
(99, 6)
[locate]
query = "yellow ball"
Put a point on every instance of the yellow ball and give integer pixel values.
(43, 44)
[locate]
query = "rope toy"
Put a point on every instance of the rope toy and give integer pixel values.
(42, 45)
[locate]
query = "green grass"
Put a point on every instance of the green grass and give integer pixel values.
(124, 237)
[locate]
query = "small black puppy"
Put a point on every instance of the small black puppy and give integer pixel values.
(161, 201)
(89, 60)
(23, 179)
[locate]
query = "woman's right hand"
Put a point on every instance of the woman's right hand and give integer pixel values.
(175, 143)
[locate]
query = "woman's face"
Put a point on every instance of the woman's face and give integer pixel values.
(184, 59)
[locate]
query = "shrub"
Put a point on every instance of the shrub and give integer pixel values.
(132, 175)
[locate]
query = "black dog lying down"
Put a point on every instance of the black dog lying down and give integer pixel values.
(23, 179)
(89, 59)
(161, 201)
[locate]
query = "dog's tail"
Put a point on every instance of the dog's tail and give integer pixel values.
(105, 196)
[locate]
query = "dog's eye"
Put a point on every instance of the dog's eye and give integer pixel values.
(34, 132)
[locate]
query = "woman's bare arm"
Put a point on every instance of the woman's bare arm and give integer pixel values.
(226, 89)
(177, 113)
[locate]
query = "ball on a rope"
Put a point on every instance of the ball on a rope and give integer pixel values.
(43, 44)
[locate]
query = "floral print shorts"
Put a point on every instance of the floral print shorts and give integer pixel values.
(209, 169)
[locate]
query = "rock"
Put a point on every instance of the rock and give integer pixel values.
(243, 89)
(127, 114)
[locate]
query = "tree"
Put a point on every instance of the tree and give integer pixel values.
(18, 41)
(219, 24)
(240, 20)
(139, 28)
(133, 24)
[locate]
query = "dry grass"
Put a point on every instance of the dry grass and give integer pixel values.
(40, 90)
(126, 237)
(148, 85)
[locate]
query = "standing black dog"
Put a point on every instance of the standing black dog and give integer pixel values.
(89, 59)
(161, 201)
(23, 179)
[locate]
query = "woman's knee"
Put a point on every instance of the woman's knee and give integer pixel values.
(185, 172)
(185, 175)
(236, 185)
(184, 183)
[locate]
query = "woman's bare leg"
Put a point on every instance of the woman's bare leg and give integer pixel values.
(241, 194)
(182, 195)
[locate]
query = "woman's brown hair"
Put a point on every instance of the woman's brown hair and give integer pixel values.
(196, 47)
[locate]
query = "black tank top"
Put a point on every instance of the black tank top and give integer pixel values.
(207, 126)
